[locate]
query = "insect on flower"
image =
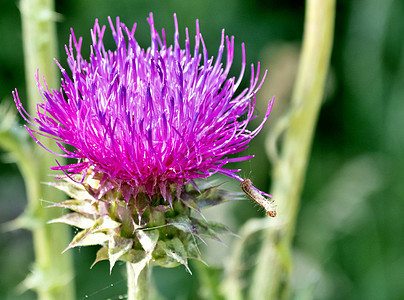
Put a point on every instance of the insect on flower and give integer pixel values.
(267, 204)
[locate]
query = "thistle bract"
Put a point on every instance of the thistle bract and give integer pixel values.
(143, 124)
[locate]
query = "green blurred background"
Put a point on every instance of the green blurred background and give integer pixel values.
(349, 239)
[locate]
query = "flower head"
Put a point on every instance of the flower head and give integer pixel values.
(148, 118)
(142, 124)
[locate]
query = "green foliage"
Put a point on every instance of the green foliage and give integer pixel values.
(348, 242)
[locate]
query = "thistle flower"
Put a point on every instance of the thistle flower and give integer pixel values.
(143, 125)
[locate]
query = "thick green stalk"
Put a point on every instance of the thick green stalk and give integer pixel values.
(52, 276)
(272, 274)
(138, 288)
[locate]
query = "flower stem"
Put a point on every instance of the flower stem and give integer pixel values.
(138, 288)
(53, 273)
(272, 274)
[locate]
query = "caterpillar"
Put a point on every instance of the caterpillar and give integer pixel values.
(267, 204)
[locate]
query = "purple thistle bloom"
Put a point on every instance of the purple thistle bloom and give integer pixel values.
(148, 118)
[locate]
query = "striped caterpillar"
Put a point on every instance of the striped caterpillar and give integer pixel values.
(267, 204)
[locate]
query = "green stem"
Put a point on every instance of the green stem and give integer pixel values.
(272, 274)
(138, 287)
(53, 273)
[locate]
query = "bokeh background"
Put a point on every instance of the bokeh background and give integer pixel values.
(349, 240)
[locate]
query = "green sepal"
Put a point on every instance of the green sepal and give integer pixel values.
(193, 252)
(191, 203)
(128, 224)
(175, 249)
(95, 234)
(81, 206)
(74, 190)
(104, 223)
(167, 233)
(148, 239)
(157, 218)
(220, 228)
(117, 247)
(142, 202)
(208, 229)
(182, 223)
(102, 254)
(166, 262)
(133, 256)
(162, 208)
(88, 238)
(75, 219)
(212, 196)
(185, 224)
(113, 210)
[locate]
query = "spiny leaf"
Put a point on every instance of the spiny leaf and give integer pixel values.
(141, 203)
(190, 202)
(117, 247)
(128, 224)
(204, 229)
(81, 206)
(88, 238)
(75, 219)
(105, 223)
(94, 235)
(166, 262)
(194, 252)
(220, 228)
(185, 224)
(102, 254)
(148, 239)
(175, 249)
(74, 190)
(181, 222)
(133, 256)
(213, 196)
(161, 208)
